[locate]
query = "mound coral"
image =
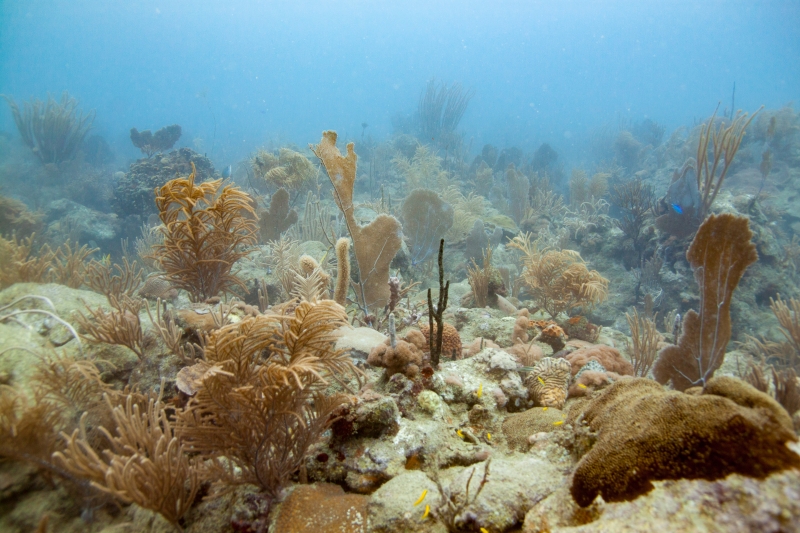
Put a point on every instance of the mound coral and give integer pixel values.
(607, 356)
(451, 339)
(647, 433)
(519, 426)
(548, 381)
(402, 358)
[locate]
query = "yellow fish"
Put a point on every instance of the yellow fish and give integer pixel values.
(427, 511)
(484, 530)
(480, 391)
(581, 385)
(544, 408)
(558, 422)
(421, 497)
(460, 433)
(540, 379)
(489, 436)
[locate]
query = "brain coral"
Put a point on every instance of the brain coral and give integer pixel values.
(548, 381)
(607, 356)
(451, 340)
(647, 433)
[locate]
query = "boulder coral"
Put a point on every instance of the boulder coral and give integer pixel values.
(451, 340)
(402, 358)
(607, 356)
(647, 433)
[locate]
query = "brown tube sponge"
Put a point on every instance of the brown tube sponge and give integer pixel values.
(342, 271)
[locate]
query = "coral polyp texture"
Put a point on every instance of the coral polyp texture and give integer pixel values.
(548, 382)
(451, 339)
(647, 433)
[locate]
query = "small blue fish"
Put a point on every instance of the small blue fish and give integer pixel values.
(677, 208)
(227, 172)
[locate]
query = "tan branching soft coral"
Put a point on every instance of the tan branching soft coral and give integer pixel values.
(205, 233)
(451, 339)
(646, 433)
(253, 421)
(607, 356)
(559, 279)
(548, 382)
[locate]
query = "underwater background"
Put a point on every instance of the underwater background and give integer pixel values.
(399, 266)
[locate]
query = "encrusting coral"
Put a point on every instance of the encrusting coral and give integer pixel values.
(205, 231)
(646, 433)
(608, 357)
(719, 254)
(376, 243)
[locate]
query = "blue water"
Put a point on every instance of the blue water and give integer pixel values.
(242, 74)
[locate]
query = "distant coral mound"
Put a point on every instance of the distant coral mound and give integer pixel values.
(133, 194)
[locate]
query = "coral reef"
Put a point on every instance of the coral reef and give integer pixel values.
(133, 193)
(647, 433)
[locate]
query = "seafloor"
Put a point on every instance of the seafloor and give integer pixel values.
(187, 379)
